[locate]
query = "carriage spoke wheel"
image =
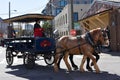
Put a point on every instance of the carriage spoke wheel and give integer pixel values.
(49, 59)
(9, 57)
(29, 61)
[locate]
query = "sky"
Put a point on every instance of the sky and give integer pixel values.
(21, 7)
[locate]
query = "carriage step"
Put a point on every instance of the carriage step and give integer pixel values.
(19, 56)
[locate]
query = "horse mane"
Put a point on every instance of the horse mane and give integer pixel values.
(62, 38)
(95, 30)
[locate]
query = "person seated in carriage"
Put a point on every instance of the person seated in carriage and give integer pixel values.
(38, 30)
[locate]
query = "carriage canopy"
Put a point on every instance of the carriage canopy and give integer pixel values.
(27, 18)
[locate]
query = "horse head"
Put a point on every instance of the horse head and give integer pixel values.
(99, 35)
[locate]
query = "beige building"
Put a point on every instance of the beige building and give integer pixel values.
(105, 14)
(63, 19)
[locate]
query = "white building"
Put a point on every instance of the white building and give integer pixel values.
(63, 19)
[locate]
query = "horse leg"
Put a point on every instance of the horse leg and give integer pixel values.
(65, 58)
(56, 67)
(94, 62)
(82, 63)
(88, 66)
(73, 64)
(58, 64)
(97, 58)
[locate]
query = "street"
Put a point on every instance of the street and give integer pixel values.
(109, 65)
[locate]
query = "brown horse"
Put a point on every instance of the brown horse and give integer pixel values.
(85, 45)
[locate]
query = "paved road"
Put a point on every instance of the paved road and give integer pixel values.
(109, 65)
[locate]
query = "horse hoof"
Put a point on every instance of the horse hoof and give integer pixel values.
(75, 67)
(90, 69)
(55, 68)
(69, 69)
(82, 70)
(97, 71)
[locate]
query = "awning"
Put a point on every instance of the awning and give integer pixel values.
(99, 20)
(27, 18)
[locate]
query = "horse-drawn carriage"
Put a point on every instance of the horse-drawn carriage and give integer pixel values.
(30, 47)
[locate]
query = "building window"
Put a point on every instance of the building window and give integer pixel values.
(85, 2)
(76, 2)
(63, 19)
(91, 1)
(66, 18)
(58, 10)
(65, 2)
(75, 16)
(62, 3)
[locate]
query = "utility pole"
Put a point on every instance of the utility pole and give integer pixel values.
(9, 27)
(9, 10)
(72, 21)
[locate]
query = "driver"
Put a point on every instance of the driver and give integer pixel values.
(38, 31)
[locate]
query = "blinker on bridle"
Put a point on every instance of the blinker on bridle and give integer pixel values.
(104, 33)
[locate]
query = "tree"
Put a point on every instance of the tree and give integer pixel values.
(47, 29)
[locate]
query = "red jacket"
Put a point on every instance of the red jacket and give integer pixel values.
(38, 32)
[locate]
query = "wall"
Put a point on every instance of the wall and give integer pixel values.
(114, 30)
(118, 30)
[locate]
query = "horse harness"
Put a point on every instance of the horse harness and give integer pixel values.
(89, 39)
(78, 38)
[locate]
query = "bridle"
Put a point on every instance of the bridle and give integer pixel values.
(104, 33)
(90, 40)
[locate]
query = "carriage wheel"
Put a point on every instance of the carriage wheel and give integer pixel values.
(9, 57)
(49, 59)
(29, 61)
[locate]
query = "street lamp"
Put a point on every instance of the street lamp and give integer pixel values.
(10, 28)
